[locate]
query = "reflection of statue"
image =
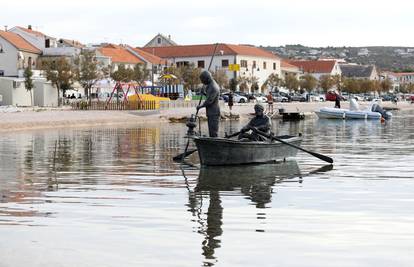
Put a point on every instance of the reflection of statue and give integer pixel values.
(254, 181)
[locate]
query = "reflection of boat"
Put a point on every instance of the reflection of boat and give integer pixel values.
(222, 151)
(254, 181)
(227, 178)
(373, 112)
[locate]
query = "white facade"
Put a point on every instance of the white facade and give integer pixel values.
(39, 41)
(44, 94)
(262, 69)
(160, 40)
(12, 60)
(336, 70)
(14, 92)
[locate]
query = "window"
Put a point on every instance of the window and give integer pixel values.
(182, 63)
(254, 64)
(1, 49)
(1, 72)
(243, 63)
(200, 64)
(264, 65)
(225, 63)
(159, 40)
(47, 43)
(274, 65)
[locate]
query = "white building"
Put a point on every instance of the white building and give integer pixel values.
(13, 92)
(253, 61)
(317, 68)
(16, 54)
(36, 38)
(160, 40)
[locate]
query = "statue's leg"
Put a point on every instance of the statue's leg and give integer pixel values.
(213, 125)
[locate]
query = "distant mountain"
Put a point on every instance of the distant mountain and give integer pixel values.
(384, 57)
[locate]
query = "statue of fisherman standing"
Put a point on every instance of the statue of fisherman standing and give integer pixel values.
(212, 91)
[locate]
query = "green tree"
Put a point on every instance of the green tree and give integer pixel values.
(351, 85)
(190, 76)
(291, 82)
(308, 83)
(326, 82)
(28, 82)
(338, 82)
(88, 71)
(221, 78)
(243, 83)
(233, 84)
(273, 82)
(366, 86)
(141, 73)
(385, 85)
(122, 74)
(60, 73)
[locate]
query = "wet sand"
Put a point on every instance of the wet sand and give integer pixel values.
(29, 118)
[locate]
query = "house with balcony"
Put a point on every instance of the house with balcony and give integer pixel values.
(251, 62)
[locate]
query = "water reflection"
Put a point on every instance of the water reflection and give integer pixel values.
(256, 182)
(120, 186)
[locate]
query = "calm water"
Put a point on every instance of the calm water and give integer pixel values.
(114, 197)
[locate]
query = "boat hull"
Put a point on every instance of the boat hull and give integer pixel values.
(221, 151)
(334, 113)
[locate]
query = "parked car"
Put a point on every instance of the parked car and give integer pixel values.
(260, 98)
(224, 97)
(299, 98)
(248, 96)
(279, 98)
(236, 98)
(330, 96)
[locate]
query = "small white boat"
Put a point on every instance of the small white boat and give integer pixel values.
(373, 112)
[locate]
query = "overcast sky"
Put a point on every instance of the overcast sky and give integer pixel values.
(258, 22)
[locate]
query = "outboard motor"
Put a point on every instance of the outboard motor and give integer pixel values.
(377, 108)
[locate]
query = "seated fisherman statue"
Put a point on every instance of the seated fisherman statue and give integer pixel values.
(260, 122)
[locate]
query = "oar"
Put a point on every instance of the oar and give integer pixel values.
(319, 156)
(188, 153)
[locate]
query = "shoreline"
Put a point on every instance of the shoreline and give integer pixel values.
(41, 118)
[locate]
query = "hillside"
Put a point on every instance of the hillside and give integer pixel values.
(384, 57)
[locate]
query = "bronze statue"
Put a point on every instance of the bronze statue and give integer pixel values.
(212, 91)
(260, 122)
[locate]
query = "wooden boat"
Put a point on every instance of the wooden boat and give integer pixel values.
(222, 151)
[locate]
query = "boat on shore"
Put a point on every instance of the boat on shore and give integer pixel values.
(373, 112)
(223, 151)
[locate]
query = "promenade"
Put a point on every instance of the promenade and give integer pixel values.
(39, 118)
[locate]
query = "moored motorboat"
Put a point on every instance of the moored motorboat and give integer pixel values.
(374, 112)
(223, 151)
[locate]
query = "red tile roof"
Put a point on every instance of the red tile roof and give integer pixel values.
(284, 64)
(314, 66)
(18, 42)
(153, 59)
(119, 54)
(207, 50)
(31, 31)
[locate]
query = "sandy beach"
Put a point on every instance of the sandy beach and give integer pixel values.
(13, 119)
